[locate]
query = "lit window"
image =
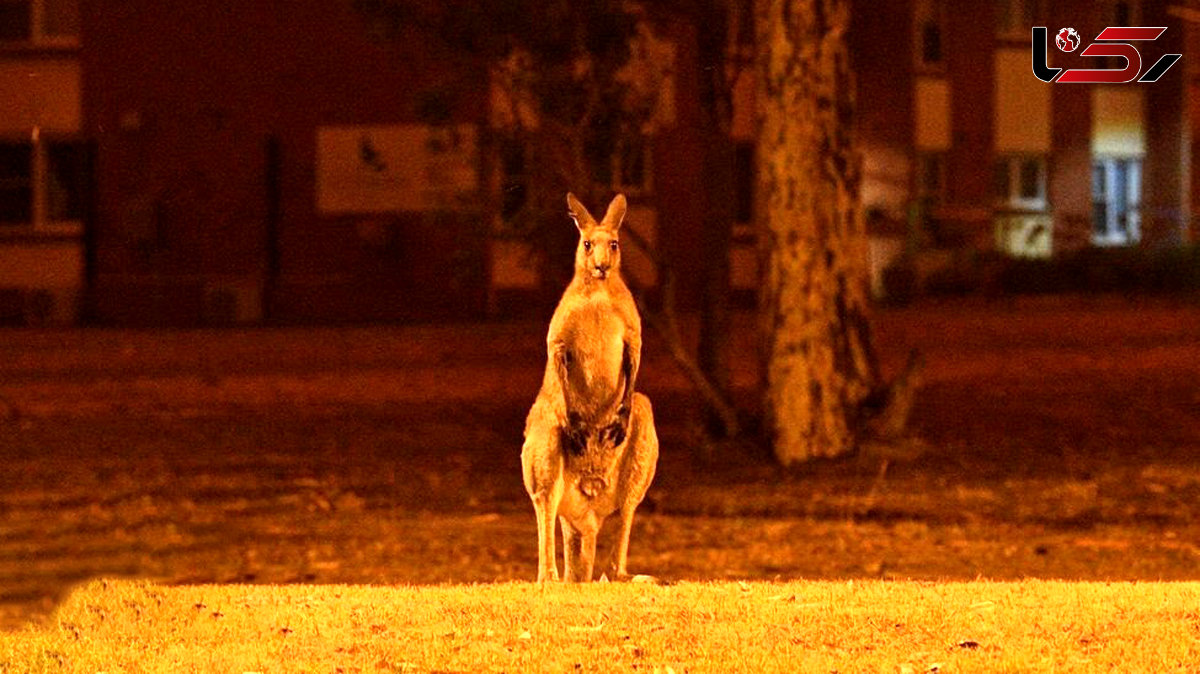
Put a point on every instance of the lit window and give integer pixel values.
(1116, 201)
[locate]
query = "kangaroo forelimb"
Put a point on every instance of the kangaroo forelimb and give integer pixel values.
(630, 365)
(574, 433)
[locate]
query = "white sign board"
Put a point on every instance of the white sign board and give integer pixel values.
(399, 167)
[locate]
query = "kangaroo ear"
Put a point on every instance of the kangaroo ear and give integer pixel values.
(616, 213)
(583, 219)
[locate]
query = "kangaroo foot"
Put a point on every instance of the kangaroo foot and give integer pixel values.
(636, 578)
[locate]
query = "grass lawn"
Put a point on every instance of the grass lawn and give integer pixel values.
(803, 626)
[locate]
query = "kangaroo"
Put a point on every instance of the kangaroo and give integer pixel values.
(594, 344)
(580, 486)
(590, 444)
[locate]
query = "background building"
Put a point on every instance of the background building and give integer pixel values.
(961, 139)
(43, 162)
(166, 163)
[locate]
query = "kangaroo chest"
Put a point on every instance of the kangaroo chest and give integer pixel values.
(594, 336)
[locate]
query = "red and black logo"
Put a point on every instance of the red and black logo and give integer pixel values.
(1112, 41)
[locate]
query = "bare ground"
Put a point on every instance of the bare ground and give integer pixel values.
(1060, 439)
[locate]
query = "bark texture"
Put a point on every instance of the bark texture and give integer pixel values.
(820, 369)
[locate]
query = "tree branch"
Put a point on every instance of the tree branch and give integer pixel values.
(666, 324)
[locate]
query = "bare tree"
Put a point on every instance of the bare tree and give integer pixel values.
(575, 80)
(554, 73)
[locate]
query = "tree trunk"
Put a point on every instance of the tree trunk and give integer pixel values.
(818, 355)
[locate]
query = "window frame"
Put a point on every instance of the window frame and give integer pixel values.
(1116, 233)
(935, 193)
(929, 13)
(40, 176)
(1022, 14)
(38, 35)
(617, 167)
(1011, 167)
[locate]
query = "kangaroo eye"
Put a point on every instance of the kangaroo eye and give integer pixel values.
(612, 245)
(587, 245)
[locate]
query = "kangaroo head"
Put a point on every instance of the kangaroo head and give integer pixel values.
(599, 251)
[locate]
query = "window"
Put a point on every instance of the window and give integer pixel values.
(624, 164)
(64, 178)
(931, 42)
(631, 164)
(514, 181)
(1121, 13)
(1116, 201)
(39, 22)
(931, 177)
(1015, 18)
(743, 181)
(928, 22)
(16, 184)
(1019, 182)
(1126, 13)
(41, 185)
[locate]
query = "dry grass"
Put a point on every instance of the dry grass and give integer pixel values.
(868, 626)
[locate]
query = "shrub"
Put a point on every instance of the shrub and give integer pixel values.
(1089, 270)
